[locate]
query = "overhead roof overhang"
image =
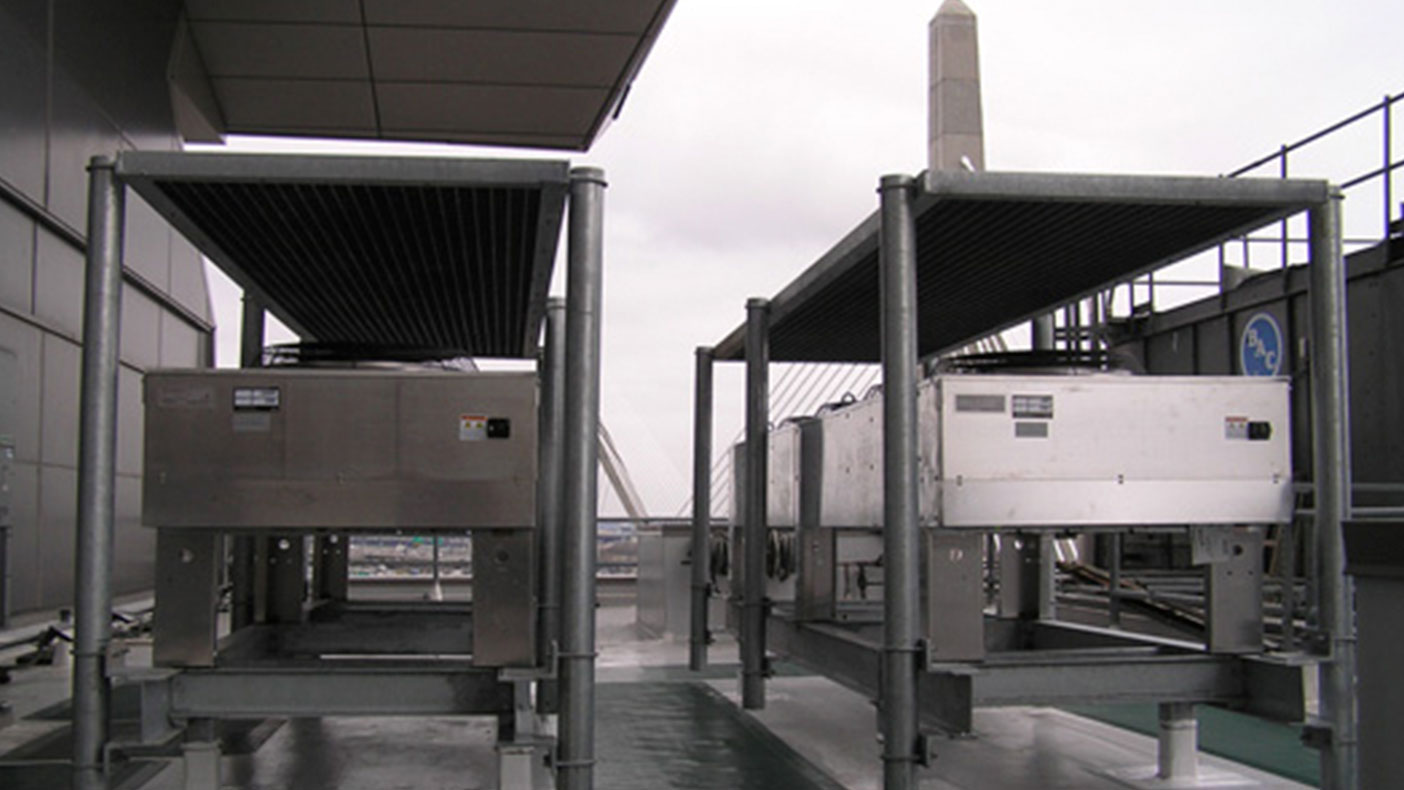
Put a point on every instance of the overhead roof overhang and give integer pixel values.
(450, 256)
(535, 73)
(998, 249)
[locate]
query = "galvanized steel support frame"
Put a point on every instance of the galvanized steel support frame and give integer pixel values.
(1330, 393)
(753, 611)
(97, 451)
(576, 756)
(901, 552)
(699, 637)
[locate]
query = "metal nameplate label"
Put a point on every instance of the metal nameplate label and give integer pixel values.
(257, 398)
(1031, 430)
(980, 403)
(1032, 407)
(185, 398)
(251, 422)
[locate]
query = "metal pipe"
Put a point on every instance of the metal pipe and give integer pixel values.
(97, 446)
(1114, 580)
(701, 509)
(1330, 390)
(550, 459)
(584, 280)
(898, 695)
(251, 332)
(1177, 757)
(1386, 109)
(1041, 333)
(757, 459)
(243, 570)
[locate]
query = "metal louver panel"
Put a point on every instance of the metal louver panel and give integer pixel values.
(450, 256)
(996, 249)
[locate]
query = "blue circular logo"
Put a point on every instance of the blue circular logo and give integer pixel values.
(1260, 347)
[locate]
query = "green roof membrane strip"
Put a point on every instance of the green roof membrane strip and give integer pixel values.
(997, 249)
(449, 255)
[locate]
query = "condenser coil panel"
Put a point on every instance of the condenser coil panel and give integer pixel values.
(376, 450)
(1006, 451)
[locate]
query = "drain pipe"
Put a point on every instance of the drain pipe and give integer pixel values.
(1330, 391)
(97, 445)
(579, 530)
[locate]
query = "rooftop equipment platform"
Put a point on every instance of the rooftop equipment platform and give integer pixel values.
(996, 249)
(451, 256)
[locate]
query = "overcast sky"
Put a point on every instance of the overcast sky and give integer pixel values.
(754, 137)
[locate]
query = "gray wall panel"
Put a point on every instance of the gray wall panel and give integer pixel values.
(62, 370)
(108, 92)
(24, 538)
(141, 329)
(58, 283)
(181, 344)
(23, 341)
(148, 243)
(1213, 348)
(135, 568)
(58, 496)
(188, 285)
(16, 258)
(22, 100)
(79, 132)
(129, 422)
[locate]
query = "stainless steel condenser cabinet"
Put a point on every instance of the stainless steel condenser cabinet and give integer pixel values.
(1094, 450)
(364, 449)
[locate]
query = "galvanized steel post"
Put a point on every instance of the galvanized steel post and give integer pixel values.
(1041, 333)
(701, 509)
(550, 459)
(757, 458)
(1330, 392)
(97, 445)
(898, 695)
(576, 760)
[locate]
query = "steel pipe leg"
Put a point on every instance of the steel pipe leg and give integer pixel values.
(701, 509)
(576, 763)
(102, 310)
(200, 756)
(1177, 757)
(548, 501)
(1330, 390)
(901, 553)
(757, 460)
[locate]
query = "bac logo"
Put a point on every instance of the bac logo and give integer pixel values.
(1260, 347)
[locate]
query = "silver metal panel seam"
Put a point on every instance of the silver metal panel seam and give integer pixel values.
(576, 756)
(97, 474)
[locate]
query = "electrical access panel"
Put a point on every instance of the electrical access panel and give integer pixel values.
(1025, 451)
(339, 449)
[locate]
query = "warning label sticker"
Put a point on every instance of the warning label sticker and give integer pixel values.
(1235, 427)
(472, 427)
